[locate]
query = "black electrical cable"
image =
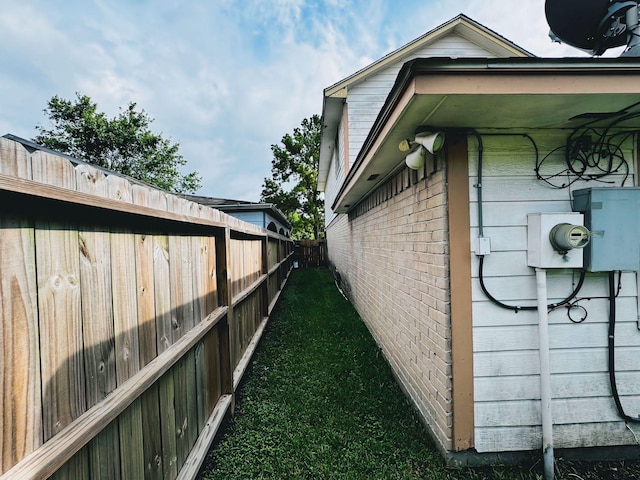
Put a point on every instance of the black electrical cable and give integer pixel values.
(589, 160)
(612, 350)
(479, 184)
(494, 299)
(574, 306)
(516, 308)
(481, 229)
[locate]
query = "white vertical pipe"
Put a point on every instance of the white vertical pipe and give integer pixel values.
(545, 374)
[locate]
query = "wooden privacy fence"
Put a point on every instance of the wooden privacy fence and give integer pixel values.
(311, 253)
(128, 316)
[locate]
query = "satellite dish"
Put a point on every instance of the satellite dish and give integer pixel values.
(595, 25)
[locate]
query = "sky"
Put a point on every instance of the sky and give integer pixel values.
(225, 79)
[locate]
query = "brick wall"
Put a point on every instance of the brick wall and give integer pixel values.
(391, 254)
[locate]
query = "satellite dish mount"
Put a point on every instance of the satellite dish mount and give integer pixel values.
(595, 25)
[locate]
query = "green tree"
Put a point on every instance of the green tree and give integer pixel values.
(294, 177)
(123, 144)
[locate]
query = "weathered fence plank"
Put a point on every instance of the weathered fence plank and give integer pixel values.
(61, 343)
(14, 159)
(97, 315)
(147, 334)
(164, 326)
(20, 395)
(184, 301)
(125, 310)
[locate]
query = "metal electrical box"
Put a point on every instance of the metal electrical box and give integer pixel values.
(540, 251)
(612, 214)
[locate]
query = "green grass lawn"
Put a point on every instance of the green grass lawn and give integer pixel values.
(320, 402)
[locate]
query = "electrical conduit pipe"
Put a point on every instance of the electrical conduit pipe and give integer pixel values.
(545, 374)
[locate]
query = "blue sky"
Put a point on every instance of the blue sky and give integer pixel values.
(224, 78)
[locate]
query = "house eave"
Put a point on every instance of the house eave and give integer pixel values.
(331, 115)
(269, 208)
(511, 93)
(335, 95)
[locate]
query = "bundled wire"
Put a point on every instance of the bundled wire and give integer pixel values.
(593, 153)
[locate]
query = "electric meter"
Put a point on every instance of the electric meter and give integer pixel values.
(555, 240)
(565, 237)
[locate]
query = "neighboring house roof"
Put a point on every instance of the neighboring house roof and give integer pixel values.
(227, 205)
(503, 93)
(334, 95)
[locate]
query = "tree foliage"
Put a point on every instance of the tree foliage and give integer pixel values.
(294, 176)
(123, 144)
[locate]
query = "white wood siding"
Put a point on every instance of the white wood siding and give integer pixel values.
(366, 99)
(335, 178)
(506, 368)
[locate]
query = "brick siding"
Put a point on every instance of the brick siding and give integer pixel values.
(391, 256)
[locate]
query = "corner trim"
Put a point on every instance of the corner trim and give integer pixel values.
(460, 288)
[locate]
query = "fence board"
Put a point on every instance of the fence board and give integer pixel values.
(97, 314)
(164, 327)
(145, 245)
(150, 408)
(213, 379)
(125, 309)
(201, 372)
(152, 434)
(20, 395)
(203, 369)
(184, 301)
(61, 343)
(169, 440)
(149, 402)
(14, 159)
(98, 333)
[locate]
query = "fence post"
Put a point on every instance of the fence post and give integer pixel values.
(223, 269)
(264, 291)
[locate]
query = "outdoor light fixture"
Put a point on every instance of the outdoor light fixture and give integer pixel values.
(427, 141)
(415, 160)
(433, 142)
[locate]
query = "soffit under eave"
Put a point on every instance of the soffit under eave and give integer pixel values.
(391, 122)
(549, 104)
(331, 115)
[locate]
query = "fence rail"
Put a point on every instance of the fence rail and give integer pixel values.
(128, 316)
